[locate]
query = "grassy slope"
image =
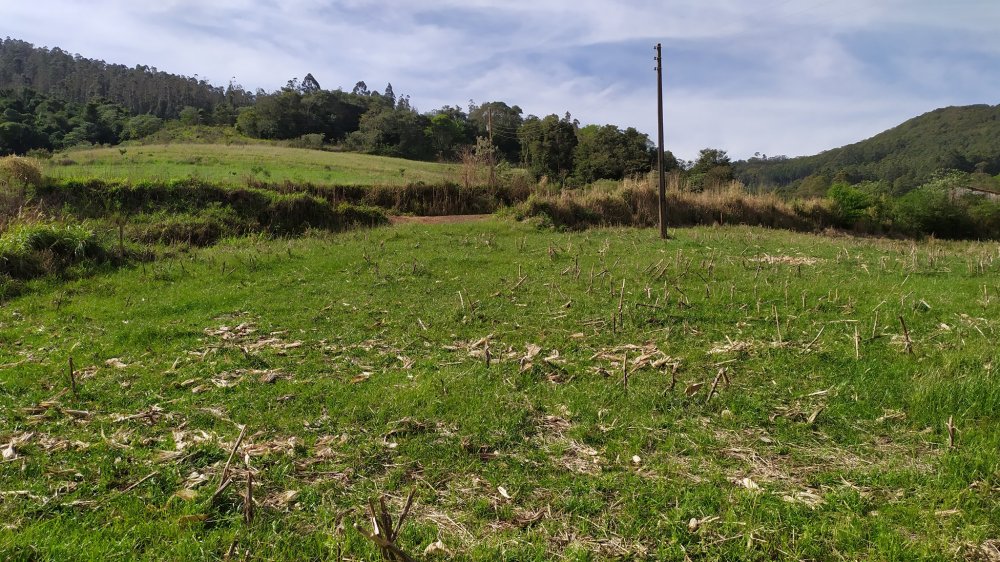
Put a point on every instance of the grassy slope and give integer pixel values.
(234, 164)
(850, 454)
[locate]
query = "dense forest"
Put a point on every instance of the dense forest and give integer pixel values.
(966, 139)
(140, 90)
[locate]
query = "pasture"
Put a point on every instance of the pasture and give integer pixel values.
(238, 164)
(731, 393)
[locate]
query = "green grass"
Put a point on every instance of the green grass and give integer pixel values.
(373, 343)
(35, 249)
(237, 163)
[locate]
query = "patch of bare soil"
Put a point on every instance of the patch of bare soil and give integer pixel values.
(443, 219)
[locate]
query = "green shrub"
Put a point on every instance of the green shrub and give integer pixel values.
(985, 214)
(312, 141)
(141, 126)
(361, 215)
(932, 209)
(32, 250)
(175, 132)
(296, 213)
(196, 231)
(850, 203)
(39, 154)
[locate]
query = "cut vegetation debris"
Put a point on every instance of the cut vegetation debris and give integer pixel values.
(492, 391)
(787, 260)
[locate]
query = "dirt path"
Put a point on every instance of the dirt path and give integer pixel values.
(443, 219)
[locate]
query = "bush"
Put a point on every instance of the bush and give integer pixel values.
(39, 154)
(931, 209)
(18, 171)
(986, 215)
(294, 214)
(313, 141)
(850, 203)
(32, 250)
(141, 126)
(203, 211)
(193, 230)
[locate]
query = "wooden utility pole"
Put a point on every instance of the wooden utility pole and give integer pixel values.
(659, 150)
(489, 122)
(492, 157)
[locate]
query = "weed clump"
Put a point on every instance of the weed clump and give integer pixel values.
(30, 250)
(17, 175)
(18, 171)
(194, 229)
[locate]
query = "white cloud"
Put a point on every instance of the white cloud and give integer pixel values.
(776, 76)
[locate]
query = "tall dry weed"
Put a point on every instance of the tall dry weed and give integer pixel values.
(16, 175)
(634, 203)
(18, 171)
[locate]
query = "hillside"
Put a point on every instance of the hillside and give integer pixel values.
(959, 138)
(140, 89)
(238, 163)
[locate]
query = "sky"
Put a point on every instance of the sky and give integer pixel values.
(776, 77)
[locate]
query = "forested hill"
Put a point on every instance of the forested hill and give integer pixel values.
(953, 138)
(140, 90)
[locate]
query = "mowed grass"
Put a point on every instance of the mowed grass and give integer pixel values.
(483, 365)
(237, 163)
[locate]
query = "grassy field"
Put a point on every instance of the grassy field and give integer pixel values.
(733, 393)
(236, 164)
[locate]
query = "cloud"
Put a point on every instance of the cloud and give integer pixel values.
(776, 76)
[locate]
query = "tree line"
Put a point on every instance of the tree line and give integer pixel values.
(386, 124)
(140, 89)
(33, 121)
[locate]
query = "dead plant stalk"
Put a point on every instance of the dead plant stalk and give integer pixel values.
(384, 533)
(72, 376)
(906, 336)
(625, 371)
(223, 480)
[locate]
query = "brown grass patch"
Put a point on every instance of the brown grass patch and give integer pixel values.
(565, 452)
(790, 473)
(18, 171)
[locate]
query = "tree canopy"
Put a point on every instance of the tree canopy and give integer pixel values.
(611, 153)
(547, 145)
(30, 121)
(140, 89)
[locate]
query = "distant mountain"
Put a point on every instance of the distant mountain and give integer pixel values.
(953, 138)
(141, 90)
